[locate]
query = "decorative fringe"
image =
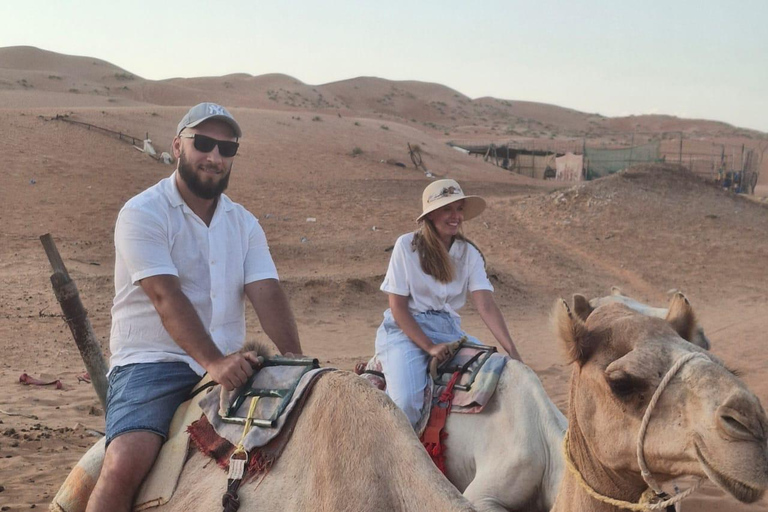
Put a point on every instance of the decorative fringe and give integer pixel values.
(437, 452)
(434, 435)
(208, 442)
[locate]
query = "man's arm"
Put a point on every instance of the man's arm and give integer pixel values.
(274, 312)
(185, 327)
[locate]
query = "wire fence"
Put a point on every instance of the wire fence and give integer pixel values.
(734, 166)
(120, 135)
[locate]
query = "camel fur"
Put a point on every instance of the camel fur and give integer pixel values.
(352, 450)
(706, 422)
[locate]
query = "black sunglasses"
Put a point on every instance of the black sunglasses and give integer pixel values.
(205, 144)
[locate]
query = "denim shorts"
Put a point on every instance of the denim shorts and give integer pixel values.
(144, 397)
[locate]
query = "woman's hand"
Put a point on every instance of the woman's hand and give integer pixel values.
(440, 351)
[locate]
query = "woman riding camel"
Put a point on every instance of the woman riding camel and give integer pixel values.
(430, 272)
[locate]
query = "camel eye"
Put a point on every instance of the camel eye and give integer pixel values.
(624, 386)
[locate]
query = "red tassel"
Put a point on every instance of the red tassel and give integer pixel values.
(434, 435)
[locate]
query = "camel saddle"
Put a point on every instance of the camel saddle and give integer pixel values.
(277, 387)
(480, 367)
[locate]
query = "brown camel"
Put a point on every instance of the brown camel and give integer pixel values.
(352, 450)
(631, 371)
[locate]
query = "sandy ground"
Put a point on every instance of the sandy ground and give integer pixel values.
(647, 230)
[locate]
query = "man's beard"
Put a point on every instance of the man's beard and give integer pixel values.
(197, 186)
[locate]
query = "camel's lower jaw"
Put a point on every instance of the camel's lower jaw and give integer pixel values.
(739, 490)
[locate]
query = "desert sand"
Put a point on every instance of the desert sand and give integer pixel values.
(646, 230)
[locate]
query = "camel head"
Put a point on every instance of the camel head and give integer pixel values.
(705, 421)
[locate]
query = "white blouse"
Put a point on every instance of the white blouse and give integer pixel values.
(405, 277)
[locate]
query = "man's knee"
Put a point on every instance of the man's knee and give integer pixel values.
(129, 457)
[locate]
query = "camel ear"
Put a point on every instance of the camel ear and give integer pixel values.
(581, 306)
(572, 332)
(615, 290)
(681, 316)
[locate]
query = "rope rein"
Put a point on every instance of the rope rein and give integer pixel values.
(654, 490)
(644, 471)
(237, 464)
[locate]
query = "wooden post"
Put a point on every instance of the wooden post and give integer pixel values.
(77, 319)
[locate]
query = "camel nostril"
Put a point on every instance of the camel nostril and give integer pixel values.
(735, 425)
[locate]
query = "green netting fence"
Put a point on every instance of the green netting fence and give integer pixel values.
(602, 162)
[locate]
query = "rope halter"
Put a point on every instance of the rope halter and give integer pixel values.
(651, 498)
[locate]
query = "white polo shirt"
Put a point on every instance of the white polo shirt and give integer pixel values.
(158, 234)
(405, 277)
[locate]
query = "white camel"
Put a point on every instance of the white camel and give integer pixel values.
(509, 457)
(583, 307)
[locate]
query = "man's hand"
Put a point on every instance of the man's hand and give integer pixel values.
(233, 371)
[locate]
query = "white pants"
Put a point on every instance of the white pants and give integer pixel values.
(405, 364)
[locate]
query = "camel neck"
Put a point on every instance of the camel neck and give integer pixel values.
(572, 496)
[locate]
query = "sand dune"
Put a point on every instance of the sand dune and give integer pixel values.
(647, 230)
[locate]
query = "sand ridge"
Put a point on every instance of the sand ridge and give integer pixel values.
(647, 230)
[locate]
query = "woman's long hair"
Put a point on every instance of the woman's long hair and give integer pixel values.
(433, 255)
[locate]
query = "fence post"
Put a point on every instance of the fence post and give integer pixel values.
(76, 317)
(743, 167)
(680, 155)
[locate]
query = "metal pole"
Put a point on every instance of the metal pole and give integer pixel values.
(680, 155)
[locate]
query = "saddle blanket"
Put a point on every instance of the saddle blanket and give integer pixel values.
(467, 402)
(474, 400)
(269, 377)
(209, 443)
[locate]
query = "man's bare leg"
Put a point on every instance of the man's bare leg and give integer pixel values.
(128, 459)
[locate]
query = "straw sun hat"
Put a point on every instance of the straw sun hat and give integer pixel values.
(442, 192)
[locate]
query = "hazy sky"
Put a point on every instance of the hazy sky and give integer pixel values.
(699, 58)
